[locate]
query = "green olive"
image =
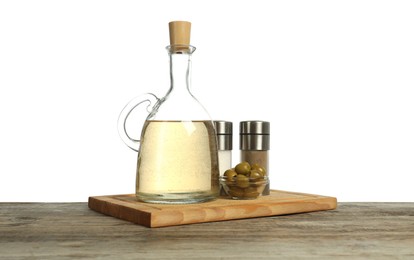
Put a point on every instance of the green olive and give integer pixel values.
(243, 184)
(255, 165)
(259, 168)
(251, 192)
(242, 181)
(255, 175)
(250, 189)
(243, 168)
(236, 192)
(230, 174)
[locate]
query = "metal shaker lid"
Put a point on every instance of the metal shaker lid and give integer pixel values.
(254, 135)
(224, 132)
(254, 127)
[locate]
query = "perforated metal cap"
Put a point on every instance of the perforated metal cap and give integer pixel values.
(224, 131)
(254, 135)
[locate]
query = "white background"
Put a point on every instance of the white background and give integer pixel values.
(334, 78)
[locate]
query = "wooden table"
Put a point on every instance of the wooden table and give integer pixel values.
(73, 231)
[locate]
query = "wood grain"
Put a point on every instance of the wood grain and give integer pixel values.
(73, 231)
(158, 215)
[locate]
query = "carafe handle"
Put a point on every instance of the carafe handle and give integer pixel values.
(152, 101)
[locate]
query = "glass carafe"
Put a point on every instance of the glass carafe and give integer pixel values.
(177, 151)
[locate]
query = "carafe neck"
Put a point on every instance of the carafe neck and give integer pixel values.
(180, 68)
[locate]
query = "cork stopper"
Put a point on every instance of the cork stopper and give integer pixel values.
(180, 35)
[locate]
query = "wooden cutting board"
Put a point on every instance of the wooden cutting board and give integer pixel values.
(279, 202)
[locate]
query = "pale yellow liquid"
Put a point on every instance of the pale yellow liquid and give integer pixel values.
(177, 162)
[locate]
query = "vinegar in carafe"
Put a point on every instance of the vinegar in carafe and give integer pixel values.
(177, 151)
(176, 161)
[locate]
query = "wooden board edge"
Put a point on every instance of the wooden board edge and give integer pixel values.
(318, 203)
(123, 212)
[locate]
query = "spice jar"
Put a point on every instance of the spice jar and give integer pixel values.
(255, 145)
(224, 132)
